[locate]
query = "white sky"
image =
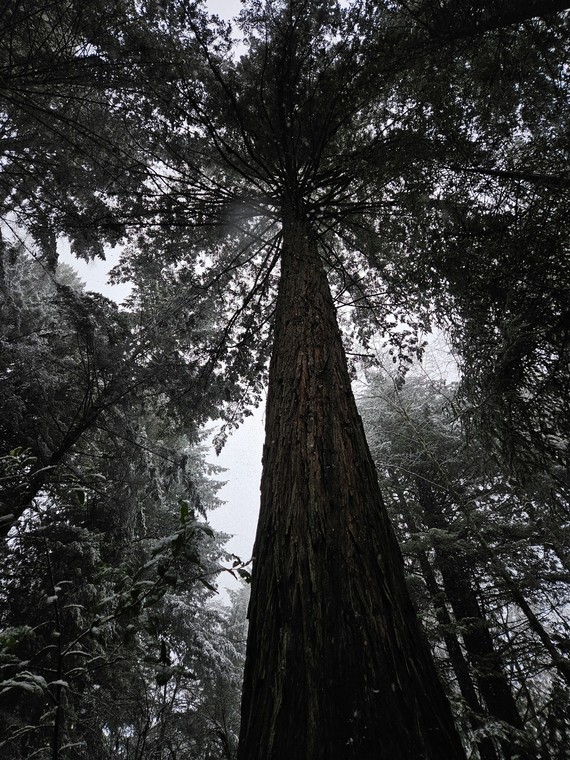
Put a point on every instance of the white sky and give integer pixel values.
(241, 456)
(95, 273)
(226, 9)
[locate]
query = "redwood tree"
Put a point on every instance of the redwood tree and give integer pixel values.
(309, 151)
(316, 160)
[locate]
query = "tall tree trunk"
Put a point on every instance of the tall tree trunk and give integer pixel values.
(460, 666)
(337, 666)
(485, 660)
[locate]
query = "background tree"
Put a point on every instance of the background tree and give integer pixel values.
(488, 248)
(106, 546)
(77, 129)
(479, 563)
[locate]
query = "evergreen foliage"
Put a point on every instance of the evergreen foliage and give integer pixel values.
(108, 564)
(404, 163)
(478, 561)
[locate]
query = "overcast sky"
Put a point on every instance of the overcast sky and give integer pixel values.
(225, 8)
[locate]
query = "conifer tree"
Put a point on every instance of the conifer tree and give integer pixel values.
(316, 170)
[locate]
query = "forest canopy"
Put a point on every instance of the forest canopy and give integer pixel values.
(388, 168)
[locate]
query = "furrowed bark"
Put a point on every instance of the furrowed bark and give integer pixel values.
(337, 666)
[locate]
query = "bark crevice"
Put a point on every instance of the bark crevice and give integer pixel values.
(337, 666)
